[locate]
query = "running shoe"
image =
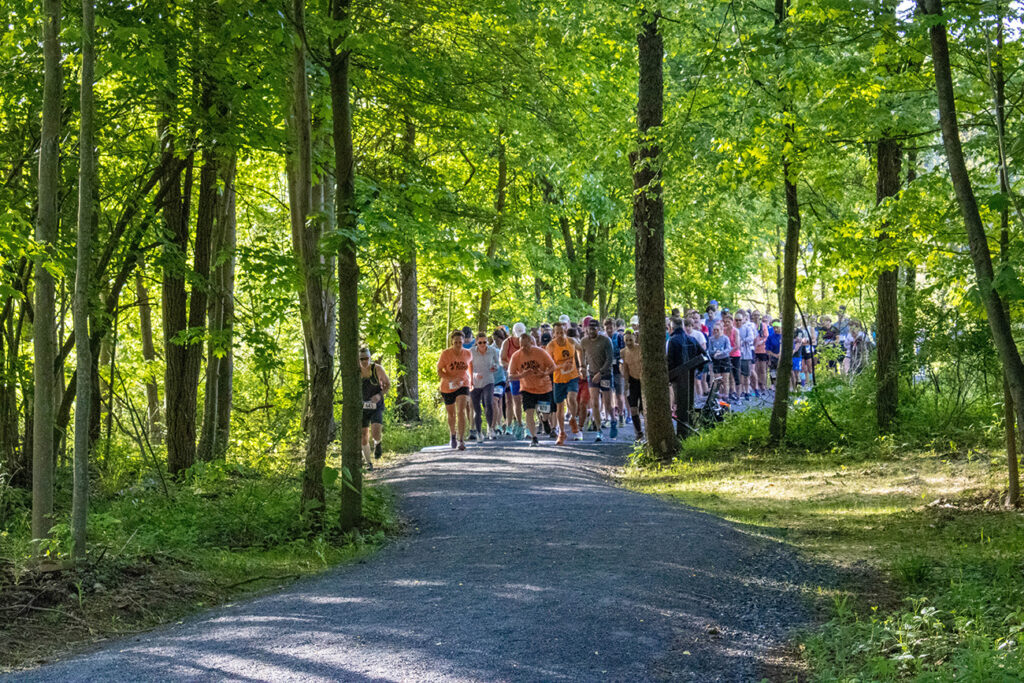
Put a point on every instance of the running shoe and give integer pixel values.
(377, 451)
(629, 419)
(597, 439)
(369, 466)
(561, 439)
(573, 426)
(614, 432)
(462, 445)
(455, 442)
(622, 420)
(517, 431)
(472, 435)
(534, 442)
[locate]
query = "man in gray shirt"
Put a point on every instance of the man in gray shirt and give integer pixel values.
(597, 357)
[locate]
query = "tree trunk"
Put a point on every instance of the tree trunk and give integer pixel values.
(780, 407)
(999, 321)
(887, 365)
(649, 225)
(306, 234)
(590, 277)
(348, 281)
(787, 293)
(999, 86)
(83, 353)
(153, 423)
(44, 328)
(213, 441)
(407, 386)
(483, 318)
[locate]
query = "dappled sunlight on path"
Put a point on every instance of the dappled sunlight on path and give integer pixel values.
(521, 564)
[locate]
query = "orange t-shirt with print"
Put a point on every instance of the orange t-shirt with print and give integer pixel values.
(535, 366)
(453, 367)
(564, 355)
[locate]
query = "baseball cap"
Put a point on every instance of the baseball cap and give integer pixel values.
(593, 322)
(586, 321)
(564, 319)
(634, 321)
(519, 329)
(713, 302)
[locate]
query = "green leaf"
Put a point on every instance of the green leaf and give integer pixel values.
(329, 476)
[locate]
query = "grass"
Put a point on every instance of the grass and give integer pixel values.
(228, 530)
(937, 588)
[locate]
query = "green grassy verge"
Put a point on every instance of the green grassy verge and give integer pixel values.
(158, 554)
(940, 593)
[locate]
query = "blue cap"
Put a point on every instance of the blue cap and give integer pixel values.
(713, 302)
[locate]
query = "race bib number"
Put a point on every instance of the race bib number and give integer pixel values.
(369, 405)
(606, 383)
(544, 406)
(499, 389)
(453, 385)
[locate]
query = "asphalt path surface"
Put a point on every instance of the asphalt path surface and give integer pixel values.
(521, 564)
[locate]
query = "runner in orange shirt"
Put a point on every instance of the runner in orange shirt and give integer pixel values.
(563, 351)
(453, 368)
(532, 367)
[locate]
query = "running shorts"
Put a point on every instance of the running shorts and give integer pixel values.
(533, 401)
(745, 367)
(563, 389)
(373, 415)
(604, 385)
(515, 387)
(722, 366)
(635, 398)
(450, 396)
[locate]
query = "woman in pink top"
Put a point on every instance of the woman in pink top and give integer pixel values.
(453, 368)
(734, 356)
(760, 354)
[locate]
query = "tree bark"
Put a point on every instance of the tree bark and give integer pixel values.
(791, 251)
(483, 317)
(154, 430)
(887, 363)
(780, 407)
(213, 441)
(306, 235)
(44, 328)
(407, 386)
(83, 353)
(999, 321)
(998, 76)
(348, 280)
(649, 225)
(590, 277)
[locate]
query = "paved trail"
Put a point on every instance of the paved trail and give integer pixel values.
(524, 564)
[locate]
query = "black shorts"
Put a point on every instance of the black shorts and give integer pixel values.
(530, 400)
(450, 396)
(745, 367)
(761, 357)
(635, 398)
(722, 365)
(373, 415)
(735, 362)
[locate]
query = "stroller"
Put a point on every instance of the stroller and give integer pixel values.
(713, 411)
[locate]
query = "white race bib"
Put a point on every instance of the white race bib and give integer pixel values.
(369, 405)
(544, 406)
(499, 389)
(452, 386)
(606, 384)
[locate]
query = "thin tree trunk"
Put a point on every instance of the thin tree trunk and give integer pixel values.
(348, 281)
(999, 86)
(649, 225)
(483, 317)
(306, 236)
(887, 365)
(213, 441)
(780, 407)
(153, 424)
(83, 353)
(787, 294)
(44, 328)
(407, 386)
(999, 321)
(590, 276)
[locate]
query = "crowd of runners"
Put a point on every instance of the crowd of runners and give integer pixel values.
(564, 378)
